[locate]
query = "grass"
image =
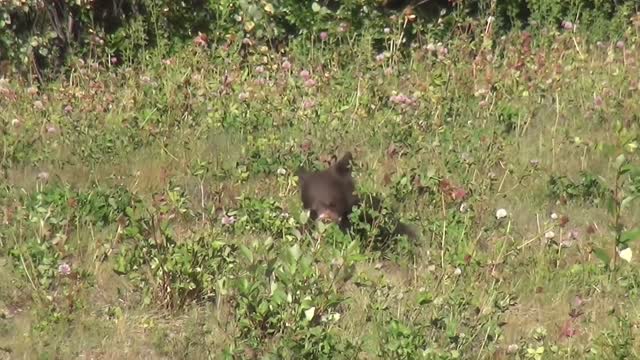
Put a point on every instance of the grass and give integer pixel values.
(168, 189)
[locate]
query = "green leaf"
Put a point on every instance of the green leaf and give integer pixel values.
(217, 245)
(279, 297)
(620, 160)
(304, 216)
(263, 308)
(425, 298)
(249, 25)
(309, 313)
(315, 7)
(120, 267)
(268, 8)
(627, 201)
(247, 253)
(625, 169)
(602, 255)
(295, 251)
(611, 204)
(629, 236)
(222, 287)
(618, 126)
(631, 147)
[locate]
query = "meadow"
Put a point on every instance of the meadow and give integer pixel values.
(151, 210)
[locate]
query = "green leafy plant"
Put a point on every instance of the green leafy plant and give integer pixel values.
(402, 342)
(262, 215)
(590, 188)
(281, 293)
(620, 198)
(195, 269)
(375, 225)
(38, 261)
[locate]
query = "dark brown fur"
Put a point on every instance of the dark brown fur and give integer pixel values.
(330, 196)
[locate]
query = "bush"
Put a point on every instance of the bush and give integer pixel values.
(43, 34)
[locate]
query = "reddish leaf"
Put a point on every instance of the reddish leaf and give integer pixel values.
(568, 329)
(458, 193)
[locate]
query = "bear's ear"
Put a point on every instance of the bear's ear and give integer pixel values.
(332, 161)
(343, 166)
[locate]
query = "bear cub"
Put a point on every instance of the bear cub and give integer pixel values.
(330, 196)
